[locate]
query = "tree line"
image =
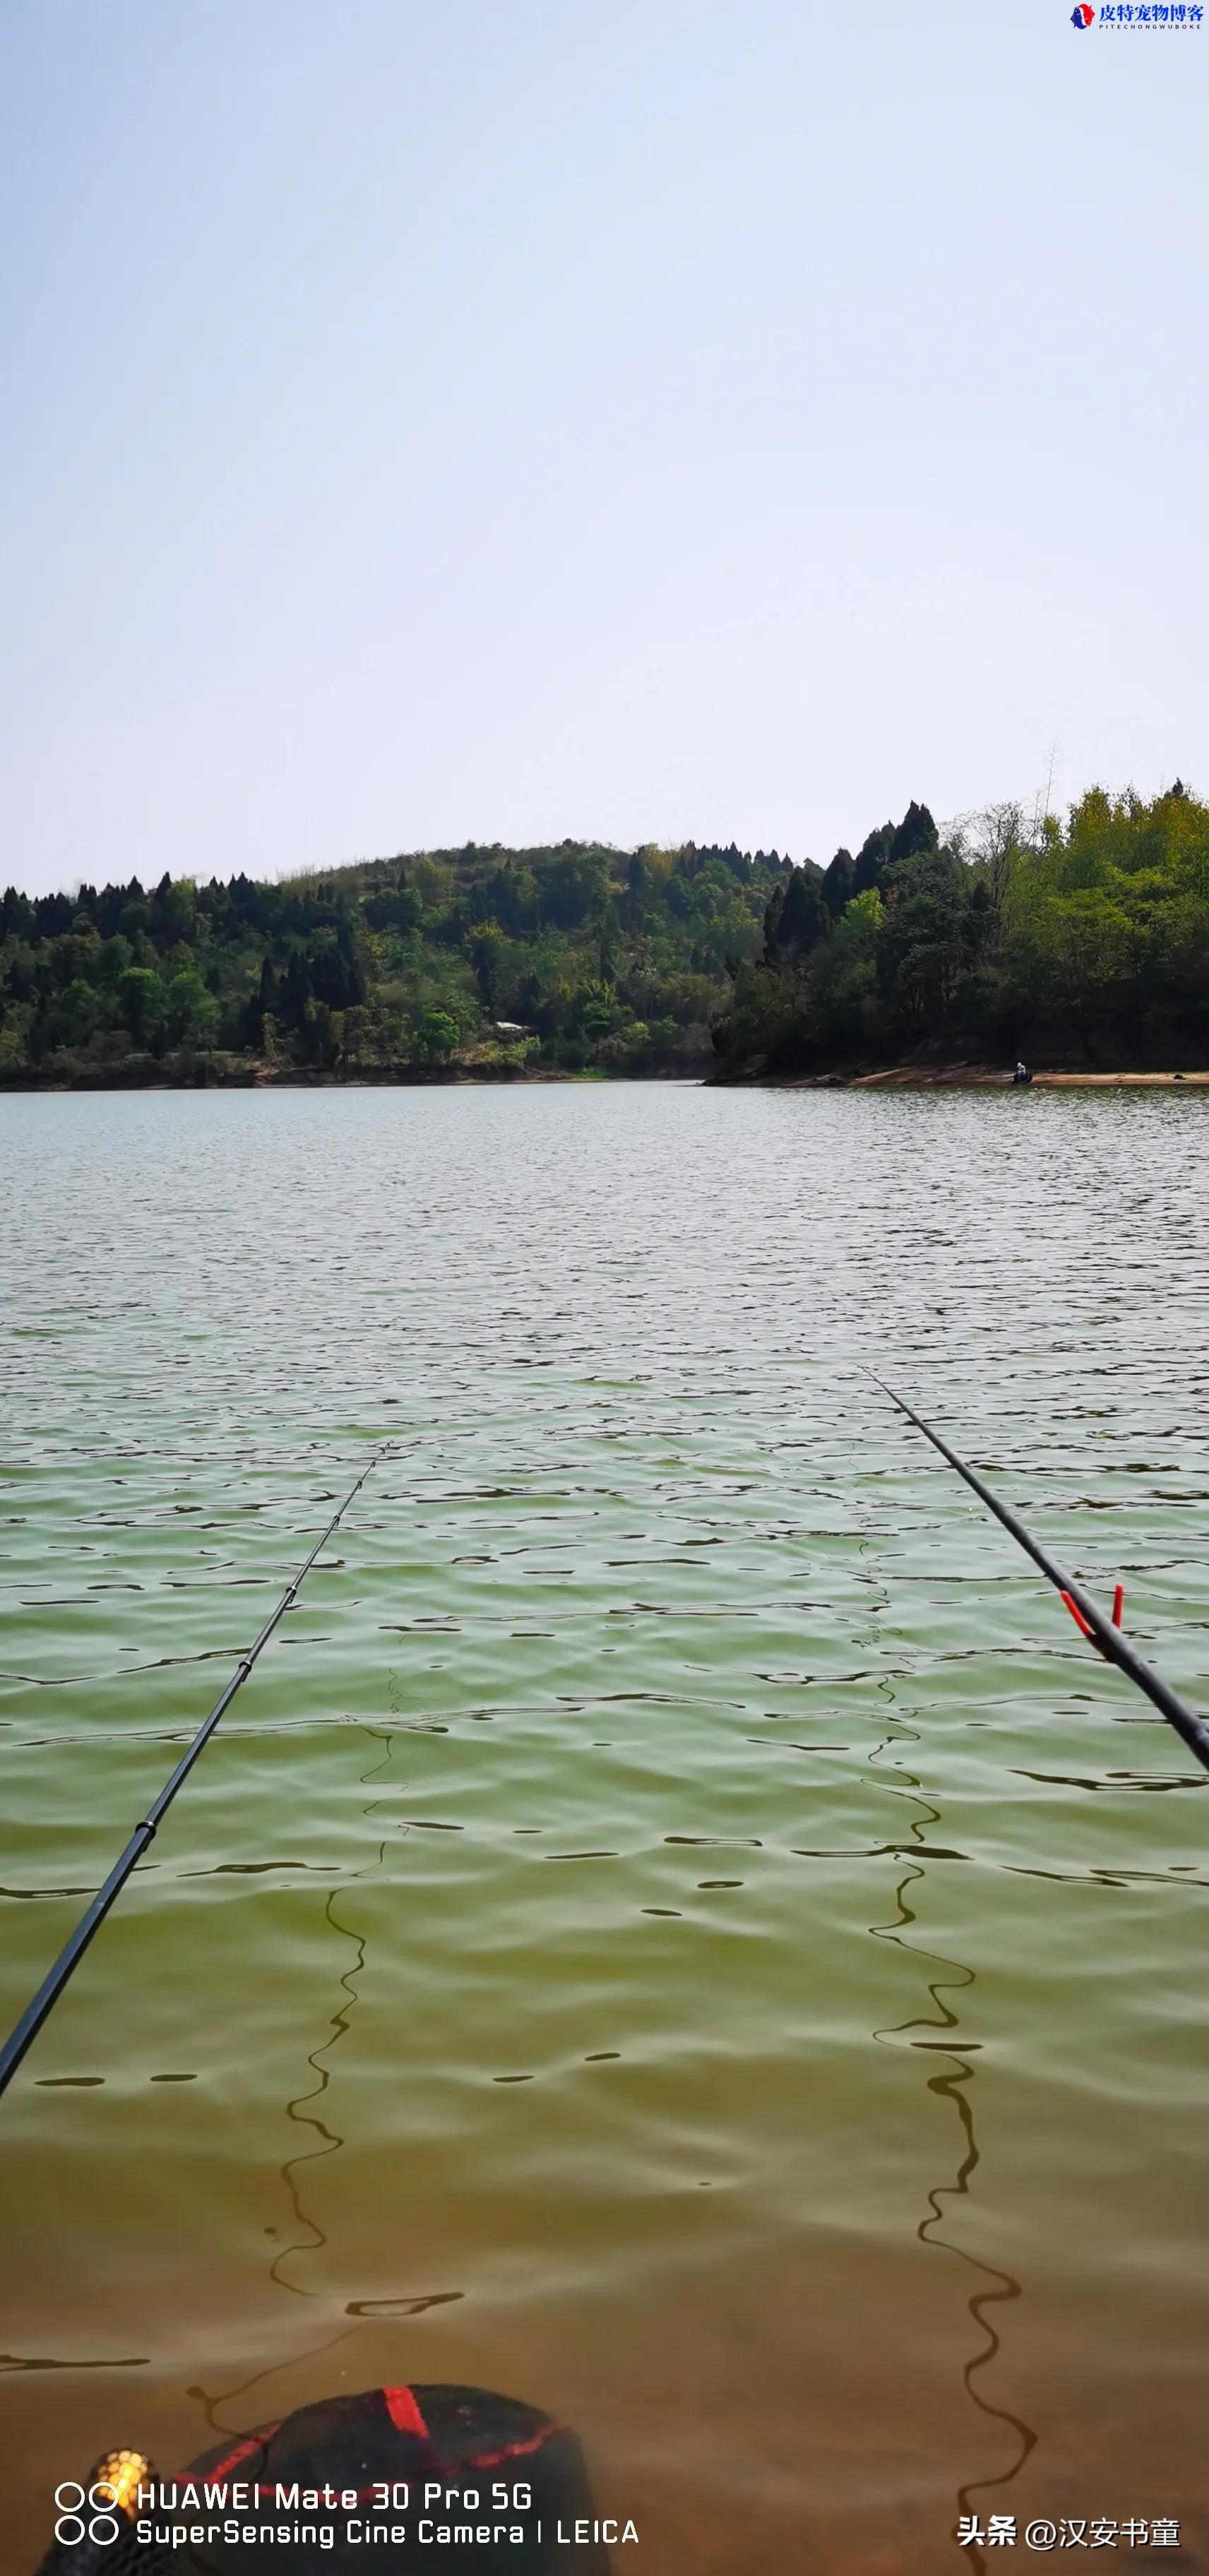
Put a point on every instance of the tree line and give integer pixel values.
(1081, 943)
(575, 957)
(1009, 938)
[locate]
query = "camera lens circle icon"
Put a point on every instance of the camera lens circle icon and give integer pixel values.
(102, 2528)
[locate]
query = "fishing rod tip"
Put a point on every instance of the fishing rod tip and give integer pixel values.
(880, 1381)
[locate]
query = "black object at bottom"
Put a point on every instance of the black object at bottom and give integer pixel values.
(493, 2461)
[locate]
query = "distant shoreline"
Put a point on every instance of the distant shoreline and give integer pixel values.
(961, 1077)
(894, 1077)
(444, 1077)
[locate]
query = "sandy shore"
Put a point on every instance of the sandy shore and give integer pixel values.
(981, 1077)
(992, 1077)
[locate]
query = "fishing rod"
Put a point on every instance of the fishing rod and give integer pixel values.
(91, 1920)
(1086, 1613)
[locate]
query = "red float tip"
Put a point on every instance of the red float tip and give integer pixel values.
(1077, 1616)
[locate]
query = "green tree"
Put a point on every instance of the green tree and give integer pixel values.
(192, 1011)
(144, 1005)
(115, 956)
(435, 1038)
(839, 883)
(916, 832)
(922, 948)
(574, 887)
(77, 1012)
(871, 859)
(797, 916)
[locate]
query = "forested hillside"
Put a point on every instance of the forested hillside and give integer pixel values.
(1083, 945)
(1079, 947)
(496, 959)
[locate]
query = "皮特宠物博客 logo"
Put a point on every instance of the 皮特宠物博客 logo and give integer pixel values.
(1150, 13)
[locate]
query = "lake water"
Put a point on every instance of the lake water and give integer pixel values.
(678, 1926)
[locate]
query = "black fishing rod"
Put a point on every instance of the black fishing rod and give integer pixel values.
(70, 1956)
(1086, 1613)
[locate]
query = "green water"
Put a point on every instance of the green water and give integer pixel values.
(678, 1926)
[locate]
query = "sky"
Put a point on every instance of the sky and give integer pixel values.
(439, 420)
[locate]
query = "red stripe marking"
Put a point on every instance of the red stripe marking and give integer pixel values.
(404, 2413)
(513, 2450)
(242, 2451)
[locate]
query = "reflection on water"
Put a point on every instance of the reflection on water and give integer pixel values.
(500, 2003)
(326, 2141)
(953, 2085)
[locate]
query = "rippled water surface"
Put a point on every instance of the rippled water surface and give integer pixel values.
(678, 1926)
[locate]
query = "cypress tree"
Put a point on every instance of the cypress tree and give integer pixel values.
(871, 859)
(916, 832)
(800, 918)
(838, 883)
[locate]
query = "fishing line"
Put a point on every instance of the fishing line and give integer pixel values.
(90, 1922)
(1101, 1630)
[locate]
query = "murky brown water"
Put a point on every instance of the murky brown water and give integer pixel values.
(678, 1926)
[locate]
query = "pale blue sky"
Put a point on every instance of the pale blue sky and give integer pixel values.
(505, 419)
